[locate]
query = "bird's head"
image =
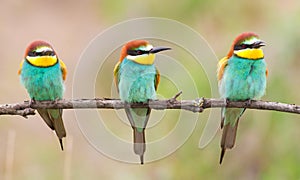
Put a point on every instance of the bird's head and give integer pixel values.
(40, 54)
(140, 51)
(247, 45)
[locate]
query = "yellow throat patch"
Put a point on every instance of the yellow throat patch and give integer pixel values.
(44, 61)
(146, 59)
(253, 54)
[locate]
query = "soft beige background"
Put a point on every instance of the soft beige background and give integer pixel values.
(267, 144)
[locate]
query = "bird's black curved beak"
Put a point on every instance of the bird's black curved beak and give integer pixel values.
(158, 49)
(259, 44)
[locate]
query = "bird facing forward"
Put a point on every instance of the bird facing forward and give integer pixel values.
(43, 74)
(241, 76)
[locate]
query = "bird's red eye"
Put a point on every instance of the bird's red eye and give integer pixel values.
(135, 52)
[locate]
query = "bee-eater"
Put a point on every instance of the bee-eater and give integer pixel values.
(241, 76)
(43, 73)
(137, 79)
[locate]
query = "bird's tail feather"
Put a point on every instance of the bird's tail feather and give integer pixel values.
(138, 119)
(53, 118)
(229, 123)
(139, 145)
(58, 124)
(228, 138)
(45, 116)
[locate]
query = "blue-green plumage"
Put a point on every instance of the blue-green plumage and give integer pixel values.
(136, 81)
(136, 84)
(45, 83)
(42, 83)
(243, 79)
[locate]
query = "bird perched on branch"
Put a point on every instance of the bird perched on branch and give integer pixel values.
(137, 78)
(242, 76)
(43, 74)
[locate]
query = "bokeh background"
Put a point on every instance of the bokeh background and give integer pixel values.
(267, 144)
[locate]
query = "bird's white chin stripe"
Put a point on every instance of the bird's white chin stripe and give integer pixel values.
(43, 49)
(130, 57)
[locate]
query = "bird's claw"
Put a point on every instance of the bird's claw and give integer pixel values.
(198, 103)
(55, 101)
(248, 102)
(32, 102)
(226, 101)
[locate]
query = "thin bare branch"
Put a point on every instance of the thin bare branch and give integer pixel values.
(198, 105)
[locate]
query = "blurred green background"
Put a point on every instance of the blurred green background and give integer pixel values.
(267, 144)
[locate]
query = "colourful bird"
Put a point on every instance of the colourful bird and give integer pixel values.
(242, 76)
(137, 78)
(43, 73)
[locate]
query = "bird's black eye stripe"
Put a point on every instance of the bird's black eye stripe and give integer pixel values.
(43, 53)
(32, 53)
(132, 52)
(49, 53)
(242, 46)
(250, 46)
